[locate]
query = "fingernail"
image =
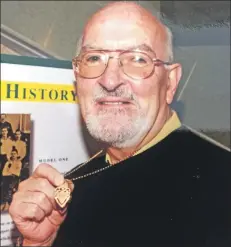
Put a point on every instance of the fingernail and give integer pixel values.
(59, 180)
(70, 184)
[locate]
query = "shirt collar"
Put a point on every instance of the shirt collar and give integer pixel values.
(172, 124)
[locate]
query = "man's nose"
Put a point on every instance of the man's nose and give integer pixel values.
(111, 79)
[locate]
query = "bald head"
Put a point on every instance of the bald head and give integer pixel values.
(128, 11)
(117, 16)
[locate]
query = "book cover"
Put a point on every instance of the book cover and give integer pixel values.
(41, 95)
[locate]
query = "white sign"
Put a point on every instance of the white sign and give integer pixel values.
(47, 94)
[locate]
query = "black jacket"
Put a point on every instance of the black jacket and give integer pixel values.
(177, 193)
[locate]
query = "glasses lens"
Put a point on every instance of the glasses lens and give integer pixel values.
(136, 65)
(92, 64)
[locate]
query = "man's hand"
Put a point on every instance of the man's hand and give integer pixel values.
(34, 209)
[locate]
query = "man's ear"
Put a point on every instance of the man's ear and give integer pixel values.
(174, 76)
(75, 70)
(75, 88)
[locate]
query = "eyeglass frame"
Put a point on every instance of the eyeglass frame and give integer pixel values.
(105, 52)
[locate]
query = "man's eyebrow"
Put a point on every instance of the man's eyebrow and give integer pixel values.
(90, 47)
(142, 47)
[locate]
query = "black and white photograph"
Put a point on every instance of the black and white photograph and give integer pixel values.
(14, 154)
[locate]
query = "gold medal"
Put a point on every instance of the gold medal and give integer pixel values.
(63, 194)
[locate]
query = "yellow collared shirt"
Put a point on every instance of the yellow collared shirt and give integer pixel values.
(172, 124)
(21, 147)
(12, 167)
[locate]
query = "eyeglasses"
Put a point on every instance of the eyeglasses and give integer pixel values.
(135, 64)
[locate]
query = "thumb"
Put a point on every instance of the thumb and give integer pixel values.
(70, 184)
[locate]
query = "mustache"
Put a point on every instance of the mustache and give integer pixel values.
(118, 92)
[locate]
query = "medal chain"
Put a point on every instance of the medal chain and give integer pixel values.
(60, 198)
(79, 166)
(103, 168)
(96, 171)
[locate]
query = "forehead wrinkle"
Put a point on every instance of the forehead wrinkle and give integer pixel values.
(142, 47)
(157, 45)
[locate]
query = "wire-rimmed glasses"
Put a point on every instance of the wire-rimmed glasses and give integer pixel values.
(135, 64)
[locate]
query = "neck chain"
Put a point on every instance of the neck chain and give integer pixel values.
(96, 171)
(62, 193)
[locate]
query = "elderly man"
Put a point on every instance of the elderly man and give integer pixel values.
(156, 185)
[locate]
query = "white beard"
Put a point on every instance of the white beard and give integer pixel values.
(116, 128)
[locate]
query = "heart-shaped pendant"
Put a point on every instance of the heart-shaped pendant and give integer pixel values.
(62, 195)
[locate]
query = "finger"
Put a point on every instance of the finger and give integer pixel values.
(37, 198)
(38, 185)
(50, 173)
(27, 211)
